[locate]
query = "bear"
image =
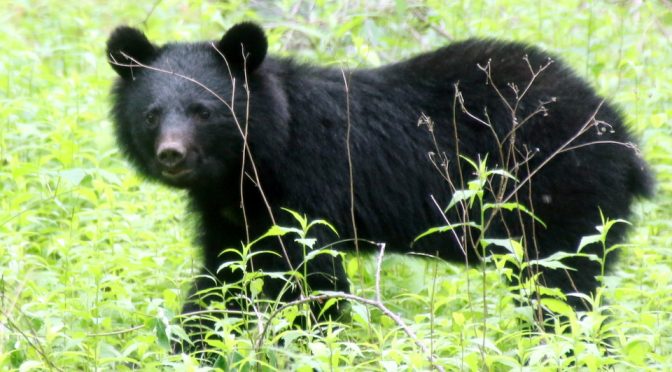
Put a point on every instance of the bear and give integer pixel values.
(380, 153)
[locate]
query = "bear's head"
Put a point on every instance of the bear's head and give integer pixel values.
(182, 110)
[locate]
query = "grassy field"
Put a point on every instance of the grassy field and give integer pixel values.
(94, 262)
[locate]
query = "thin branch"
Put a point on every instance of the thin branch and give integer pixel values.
(567, 143)
(118, 332)
(379, 265)
(377, 303)
(628, 145)
(151, 11)
(35, 346)
(351, 178)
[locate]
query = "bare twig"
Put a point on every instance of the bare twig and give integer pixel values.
(117, 332)
(151, 11)
(351, 179)
(377, 303)
(39, 349)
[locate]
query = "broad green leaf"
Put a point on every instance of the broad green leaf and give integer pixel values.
(513, 206)
(308, 242)
(637, 351)
(441, 229)
(557, 306)
(460, 195)
(590, 239)
(512, 246)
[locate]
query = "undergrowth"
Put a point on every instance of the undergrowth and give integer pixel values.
(95, 263)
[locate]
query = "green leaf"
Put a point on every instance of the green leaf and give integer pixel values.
(441, 229)
(557, 306)
(360, 314)
(637, 351)
(471, 162)
(590, 239)
(161, 334)
(324, 223)
(301, 219)
(74, 176)
(513, 206)
(503, 173)
(178, 331)
(316, 252)
(308, 242)
(458, 319)
(553, 261)
(221, 363)
(512, 246)
(256, 287)
(276, 231)
(460, 195)
(31, 365)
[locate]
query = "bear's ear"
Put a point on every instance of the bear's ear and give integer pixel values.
(244, 45)
(126, 47)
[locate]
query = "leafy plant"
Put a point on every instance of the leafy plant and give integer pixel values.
(94, 262)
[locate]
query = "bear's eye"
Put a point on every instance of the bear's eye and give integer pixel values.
(151, 118)
(199, 112)
(203, 113)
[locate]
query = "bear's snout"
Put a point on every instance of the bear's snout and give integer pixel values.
(174, 153)
(171, 154)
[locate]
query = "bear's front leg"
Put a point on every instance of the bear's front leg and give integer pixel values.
(320, 272)
(198, 317)
(220, 281)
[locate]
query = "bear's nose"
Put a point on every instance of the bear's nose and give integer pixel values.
(171, 154)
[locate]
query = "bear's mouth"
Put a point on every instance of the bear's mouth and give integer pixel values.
(178, 174)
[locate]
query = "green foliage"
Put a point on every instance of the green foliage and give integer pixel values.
(94, 262)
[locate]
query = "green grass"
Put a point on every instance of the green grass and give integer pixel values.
(93, 260)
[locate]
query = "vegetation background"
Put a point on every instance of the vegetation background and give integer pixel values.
(94, 261)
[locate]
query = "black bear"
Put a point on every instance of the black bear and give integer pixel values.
(248, 134)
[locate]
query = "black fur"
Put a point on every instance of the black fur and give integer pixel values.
(298, 120)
